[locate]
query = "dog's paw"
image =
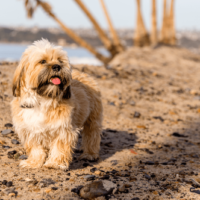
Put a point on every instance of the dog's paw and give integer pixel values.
(30, 164)
(87, 156)
(55, 165)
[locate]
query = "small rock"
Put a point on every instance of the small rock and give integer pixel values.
(11, 191)
(8, 125)
(114, 162)
(77, 190)
(132, 178)
(12, 195)
(46, 182)
(13, 141)
(132, 103)
(6, 147)
(9, 184)
(98, 172)
(6, 132)
(4, 182)
(135, 198)
(158, 117)
(136, 115)
(147, 177)
(148, 151)
(108, 185)
(23, 157)
(149, 163)
(89, 177)
(94, 190)
(175, 134)
(93, 169)
(112, 103)
(128, 185)
(122, 189)
(105, 177)
(54, 188)
(11, 154)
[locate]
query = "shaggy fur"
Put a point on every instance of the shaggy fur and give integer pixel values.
(48, 117)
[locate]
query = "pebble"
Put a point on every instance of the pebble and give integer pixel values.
(6, 147)
(132, 178)
(136, 115)
(93, 169)
(12, 195)
(114, 162)
(105, 177)
(8, 125)
(135, 198)
(11, 191)
(108, 185)
(89, 177)
(11, 154)
(23, 157)
(13, 141)
(6, 132)
(147, 177)
(149, 163)
(9, 184)
(132, 103)
(54, 188)
(77, 189)
(4, 182)
(175, 134)
(122, 189)
(94, 190)
(46, 182)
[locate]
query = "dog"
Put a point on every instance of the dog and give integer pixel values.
(52, 104)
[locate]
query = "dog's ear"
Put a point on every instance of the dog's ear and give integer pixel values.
(19, 76)
(67, 93)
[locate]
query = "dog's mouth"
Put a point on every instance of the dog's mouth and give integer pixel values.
(55, 80)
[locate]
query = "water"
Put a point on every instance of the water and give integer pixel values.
(13, 52)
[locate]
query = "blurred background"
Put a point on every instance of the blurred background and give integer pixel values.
(17, 30)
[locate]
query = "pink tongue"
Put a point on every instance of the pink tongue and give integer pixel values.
(56, 81)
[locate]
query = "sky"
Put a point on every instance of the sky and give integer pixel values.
(122, 13)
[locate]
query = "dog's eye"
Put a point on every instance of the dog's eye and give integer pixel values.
(42, 61)
(60, 61)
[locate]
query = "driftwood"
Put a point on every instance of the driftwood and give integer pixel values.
(113, 32)
(102, 35)
(47, 8)
(141, 36)
(154, 34)
(172, 31)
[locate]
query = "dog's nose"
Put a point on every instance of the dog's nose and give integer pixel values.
(56, 68)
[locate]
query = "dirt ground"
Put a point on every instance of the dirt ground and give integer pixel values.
(150, 141)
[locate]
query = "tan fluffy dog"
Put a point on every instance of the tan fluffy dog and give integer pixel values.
(52, 104)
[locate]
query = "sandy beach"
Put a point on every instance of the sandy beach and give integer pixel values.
(150, 140)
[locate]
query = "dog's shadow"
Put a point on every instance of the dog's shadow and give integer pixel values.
(112, 141)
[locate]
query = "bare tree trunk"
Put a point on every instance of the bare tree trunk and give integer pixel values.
(172, 36)
(141, 36)
(165, 29)
(113, 32)
(73, 35)
(104, 38)
(154, 35)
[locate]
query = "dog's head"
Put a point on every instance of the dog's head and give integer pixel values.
(44, 69)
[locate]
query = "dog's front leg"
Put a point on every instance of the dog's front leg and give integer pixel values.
(36, 157)
(60, 154)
